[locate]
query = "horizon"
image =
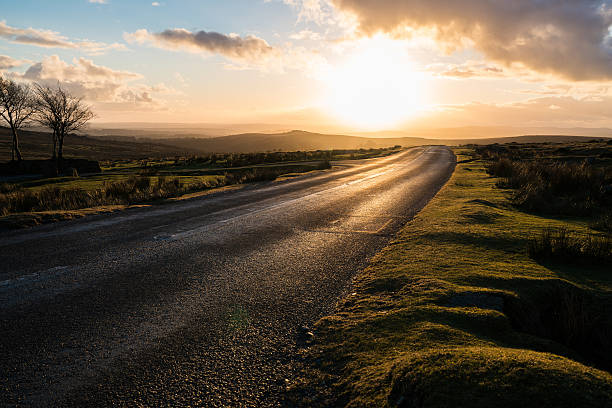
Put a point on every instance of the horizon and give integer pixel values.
(144, 130)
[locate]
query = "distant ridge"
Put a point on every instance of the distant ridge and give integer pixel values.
(38, 144)
(302, 140)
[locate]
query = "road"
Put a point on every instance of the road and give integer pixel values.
(201, 302)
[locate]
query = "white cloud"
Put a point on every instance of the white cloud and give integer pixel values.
(306, 35)
(318, 11)
(52, 39)
(103, 86)
(7, 62)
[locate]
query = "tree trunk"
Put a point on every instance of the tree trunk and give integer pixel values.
(60, 147)
(16, 145)
(54, 153)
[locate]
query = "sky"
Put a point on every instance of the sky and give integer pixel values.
(354, 65)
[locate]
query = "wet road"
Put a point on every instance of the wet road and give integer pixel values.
(200, 302)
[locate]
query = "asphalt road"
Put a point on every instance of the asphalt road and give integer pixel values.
(200, 302)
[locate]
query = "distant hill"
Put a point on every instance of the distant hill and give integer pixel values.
(488, 132)
(301, 140)
(289, 141)
(525, 139)
(38, 145)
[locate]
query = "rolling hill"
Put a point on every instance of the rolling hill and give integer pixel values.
(301, 140)
(37, 145)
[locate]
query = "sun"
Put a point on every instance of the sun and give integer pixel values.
(376, 87)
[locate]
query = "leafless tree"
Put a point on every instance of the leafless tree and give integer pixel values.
(16, 108)
(61, 112)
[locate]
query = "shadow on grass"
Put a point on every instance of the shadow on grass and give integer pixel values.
(477, 240)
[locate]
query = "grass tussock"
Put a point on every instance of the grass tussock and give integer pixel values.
(554, 187)
(133, 190)
(563, 245)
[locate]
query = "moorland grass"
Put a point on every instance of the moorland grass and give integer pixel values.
(72, 194)
(456, 313)
(554, 182)
(568, 246)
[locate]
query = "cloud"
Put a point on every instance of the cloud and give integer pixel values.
(105, 87)
(7, 62)
(558, 111)
(469, 69)
(306, 35)
(231, 46)
(311, 10)
(569, 38)
(156, 4)
(52, 39)
(98, 1)
(244, 53)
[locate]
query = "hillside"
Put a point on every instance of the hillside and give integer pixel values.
(290, 141)
(301, 140)
(38, 145)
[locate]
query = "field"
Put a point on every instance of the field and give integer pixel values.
(125, 183)
(463, 309)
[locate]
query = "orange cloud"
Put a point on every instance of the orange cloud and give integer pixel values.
(569, 38)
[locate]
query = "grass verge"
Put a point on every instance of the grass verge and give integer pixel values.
(24, 207)
(456, 313)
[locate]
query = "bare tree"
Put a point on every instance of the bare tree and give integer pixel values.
(61, 112)
(16, 108)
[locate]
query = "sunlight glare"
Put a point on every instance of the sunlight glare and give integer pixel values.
(376, 87)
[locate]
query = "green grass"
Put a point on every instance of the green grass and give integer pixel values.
(125, 182)
(455, 313)
(33, 202)
(94, 182)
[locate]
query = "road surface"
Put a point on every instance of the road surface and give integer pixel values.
(199, 302)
